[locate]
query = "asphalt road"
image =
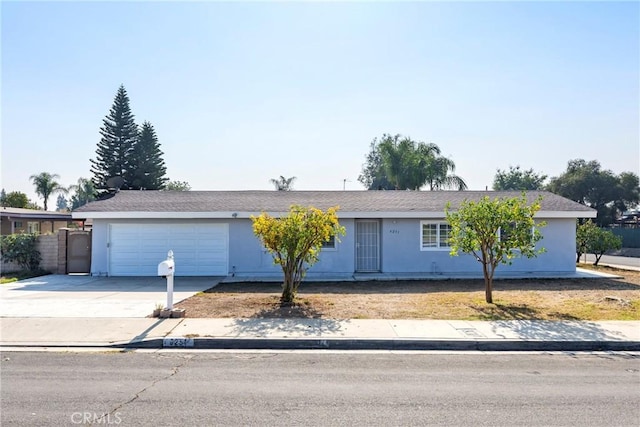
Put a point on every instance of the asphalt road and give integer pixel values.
(355, 389)
(613, 260)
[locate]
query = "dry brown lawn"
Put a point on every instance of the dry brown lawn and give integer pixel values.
(548, 299)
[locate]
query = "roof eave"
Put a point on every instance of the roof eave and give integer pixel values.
(245, 214)
(61, 217)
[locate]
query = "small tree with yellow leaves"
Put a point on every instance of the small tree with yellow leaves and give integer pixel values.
(495, 232)
(295, 241)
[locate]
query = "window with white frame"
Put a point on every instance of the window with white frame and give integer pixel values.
(329, 244)
(434, 235)
(503, 232)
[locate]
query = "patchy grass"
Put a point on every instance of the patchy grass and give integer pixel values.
(21, 275)
(544, 299)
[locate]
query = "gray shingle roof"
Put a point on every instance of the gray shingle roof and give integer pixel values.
(280, 201)
(9, 212)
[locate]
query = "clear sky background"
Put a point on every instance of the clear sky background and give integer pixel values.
(243, 92)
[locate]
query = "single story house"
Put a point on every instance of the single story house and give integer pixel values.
(387, 233)
(18, 220)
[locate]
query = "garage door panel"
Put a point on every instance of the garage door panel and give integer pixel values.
(180, 243)
(199, 249)
(153, 244)
(149, 257)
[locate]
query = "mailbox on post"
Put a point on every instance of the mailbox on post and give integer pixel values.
(167, 269)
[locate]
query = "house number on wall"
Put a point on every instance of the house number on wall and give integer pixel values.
(394, 231)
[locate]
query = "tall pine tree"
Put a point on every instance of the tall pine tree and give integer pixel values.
(119, 133)
(146, 157)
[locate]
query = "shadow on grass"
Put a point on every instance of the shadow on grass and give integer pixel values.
(429, 286)
(511, 312)
(295, 310)
(14, 276)
(517, 312)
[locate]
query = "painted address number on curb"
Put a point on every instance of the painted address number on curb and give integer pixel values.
(177, 342)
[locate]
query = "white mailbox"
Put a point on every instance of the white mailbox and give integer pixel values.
(166, 268)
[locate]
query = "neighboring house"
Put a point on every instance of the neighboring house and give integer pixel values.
(18, 220)
(388, 233)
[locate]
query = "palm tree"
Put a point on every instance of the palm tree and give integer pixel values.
(440, 175)
(398, 155)
(410, 165)
(46, 185)
(85, 192)
(283, 184)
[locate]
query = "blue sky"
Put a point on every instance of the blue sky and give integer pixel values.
(243, 92)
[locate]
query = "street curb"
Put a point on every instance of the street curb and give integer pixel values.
(375, 344)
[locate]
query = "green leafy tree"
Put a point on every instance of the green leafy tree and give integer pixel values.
(628, 191)
(16, 199)
(584, 235)
(119, 133)
(61, 203)
(374, 176)
(591, 239)
(3, 197)
(177, 186)
(603, 241)
(397, 162)
(295, 241)
(21, 249)
(495, 231)
(405, 161)
(84, 192)
(147, 166)
(440, 175)
(45, 184)
(283, 184)
(587, 183)
(518, 179)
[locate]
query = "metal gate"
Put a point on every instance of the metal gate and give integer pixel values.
(367, 246)
(78, 252)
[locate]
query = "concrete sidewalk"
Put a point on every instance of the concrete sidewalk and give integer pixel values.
(320, 334)
(60, 312)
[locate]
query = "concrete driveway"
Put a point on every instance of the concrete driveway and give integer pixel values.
(85, 296)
